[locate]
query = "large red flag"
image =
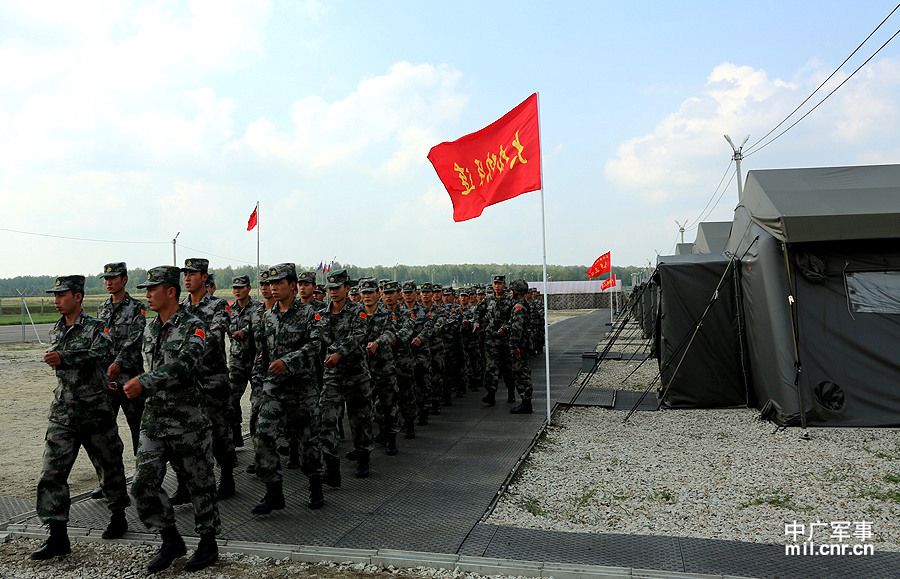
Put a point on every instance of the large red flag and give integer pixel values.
(499, 162)
(254, 218)
(601, 265)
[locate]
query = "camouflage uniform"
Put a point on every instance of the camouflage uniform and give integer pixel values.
(348, 382)
(455, 370)
(80, 415)
(404, 363)
(519, 337)
(380, 329)
(495, 318)
(125, 321)
(536, 323)
(260, 365)
(438, 355)
(423, 327)
(174, 429)
(289, 401)
(213, 372)
(242, 355)
(474, 367)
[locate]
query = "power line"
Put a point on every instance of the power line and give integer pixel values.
(784, 120)
(84, 238)
(711, 197)
(215, 255)
(722, 194)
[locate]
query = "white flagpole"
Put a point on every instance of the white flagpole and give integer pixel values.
(546, 284)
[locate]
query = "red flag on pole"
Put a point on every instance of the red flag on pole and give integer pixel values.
(254, 218)
(608, 283)
(601, 265)
(499, 162)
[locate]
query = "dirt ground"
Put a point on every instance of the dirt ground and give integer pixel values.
(26, 387)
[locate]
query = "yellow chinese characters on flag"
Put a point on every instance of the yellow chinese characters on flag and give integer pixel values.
(499, 162)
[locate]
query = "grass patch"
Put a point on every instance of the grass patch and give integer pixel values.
(584, 499)
(838, 474)
(533, 507)
(892, 478)
(664, 495)
(880, 494)
(39, 318)
(782, 501)
(882, 454)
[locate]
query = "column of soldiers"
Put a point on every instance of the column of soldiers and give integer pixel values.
(387, 354)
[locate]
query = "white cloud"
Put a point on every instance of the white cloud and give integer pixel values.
(397, 111)
(682, 159)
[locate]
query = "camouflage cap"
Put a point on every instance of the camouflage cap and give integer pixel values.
(353, 282)
(114, 269)
(368, 286)
(320, 288)
(307, 277)
(240, 281)
(281, 271)
(196, 264)
(519, 286)
(167, 274)
(498, 277)
(67, 283)
(354, 291)
(480, 291)
(337, 278)
(264, 276)
(210, 280)
(426, 287)
(383, 282)
(465, 292)
(448, 291)
(409, 286)
(391, 286)
(436, 287)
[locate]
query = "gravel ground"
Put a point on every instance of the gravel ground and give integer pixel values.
(99, 561)
(717, 474)
(612, 373)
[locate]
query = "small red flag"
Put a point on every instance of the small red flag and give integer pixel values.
(608, 283)
(603, 264)
(254, 218)
(499, 162)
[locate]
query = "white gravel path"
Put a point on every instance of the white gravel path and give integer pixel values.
(99, 561)
(612, 373)
(716, 474)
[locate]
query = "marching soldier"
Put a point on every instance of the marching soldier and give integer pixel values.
(80, 415)
(213, 372)
(535, 320)
(173, 428)
(470, 341)
(341, 329)
(436, 345)
(379, 341)
(494, 319)
(456, 360)
(306, 287)
(242, 350)
(261, 362)
(290, 392)
(319, 293)
(403, 356)
(519, 342)
(423, 327)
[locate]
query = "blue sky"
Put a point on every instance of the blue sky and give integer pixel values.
(134, 121)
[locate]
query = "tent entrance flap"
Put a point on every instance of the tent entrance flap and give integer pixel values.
(874, 292)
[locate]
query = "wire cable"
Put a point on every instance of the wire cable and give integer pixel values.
(691, 224)
(241, 261)
(773, 139)
(830, 76)
(83, 238)
(722, 194)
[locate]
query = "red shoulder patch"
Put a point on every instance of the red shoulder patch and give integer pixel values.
(519, 307)
(105, 330)
(317, 317)
(430, 314)
(394, 317)
(144, 313)
(412, 315)
(200, 334)
(227, 307)
(362, 315)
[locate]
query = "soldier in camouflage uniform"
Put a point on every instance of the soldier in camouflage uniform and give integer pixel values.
(379, 342)
(404, 363)
(306, 287)
(469, 340)
(214, 389)
(341, 329)
(261, 362)
(290, 392)
(457, 373)
(494, 321)
(242, 350)
(80, 415)
(435, 345)
(173, 428)
(423, 327)
(519, 341)
(535, 320)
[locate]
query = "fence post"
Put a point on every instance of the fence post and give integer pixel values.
(23, 319)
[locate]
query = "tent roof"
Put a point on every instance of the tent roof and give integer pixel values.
(712, 237)
(673, 260)
(827, 203)
(684, 248)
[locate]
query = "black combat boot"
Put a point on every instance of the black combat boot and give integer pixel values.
(511, 395)
(97, 493)
(489, 399)
(448, 398)
(172, 548)
(423, 416)
(391, 447)
(362, 464)
(380, 438)
(251, 468)
(206, 554)
(226, 484)
(436, 407)
(332, 471)
(117, 526)
(410, 429)
(272, 501)
(316, 496)
(182, 495)
(294, 456)
(56, 545)
(237, 436)
(352, 455)
(523, 408)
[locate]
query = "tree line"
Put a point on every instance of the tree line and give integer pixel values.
(458, 275)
